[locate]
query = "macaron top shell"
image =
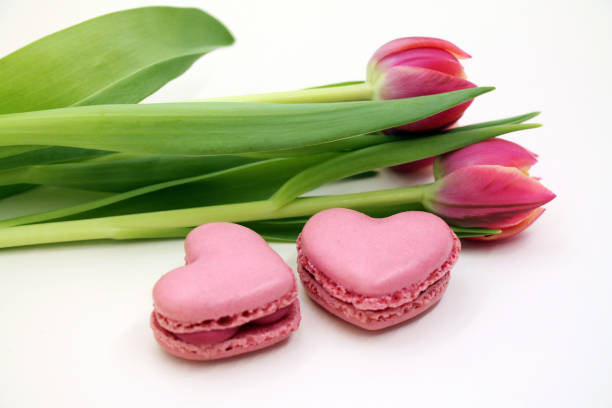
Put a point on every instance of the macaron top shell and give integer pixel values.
(376, 256)
(221, 279)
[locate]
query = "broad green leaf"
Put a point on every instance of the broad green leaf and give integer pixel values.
(8, 191)
(119, 175)
(342, 145)
(47, 155)
(39, 156)
(112, 173)
(8, 151)
(361, 141)
(385, 155)
(252, 182)
(121, 57)
(209, 128)
(62, 154)
(246, 182)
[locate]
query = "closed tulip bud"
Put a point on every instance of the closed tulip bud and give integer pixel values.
(486, 196)
(493, 151)
(417, 66)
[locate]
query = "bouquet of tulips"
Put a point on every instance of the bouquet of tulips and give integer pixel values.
(69, 117)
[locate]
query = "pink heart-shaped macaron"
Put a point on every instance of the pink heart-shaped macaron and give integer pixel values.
(234, 295)
(376, 272)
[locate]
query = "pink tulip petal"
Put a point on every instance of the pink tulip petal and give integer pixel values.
(514, 230)
(408, 43)
(407, 82)
(493, 151)
(487, 196)
(430, 58)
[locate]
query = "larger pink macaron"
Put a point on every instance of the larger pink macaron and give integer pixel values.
(234, 295)
(376, 272)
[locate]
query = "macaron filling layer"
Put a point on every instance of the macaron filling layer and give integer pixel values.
(208, 337)
(221, 335)
(248, 337)
(372, 315)
(273, 318)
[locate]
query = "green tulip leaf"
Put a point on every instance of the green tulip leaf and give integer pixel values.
(361, 141)
(8, 151)
(8, 191)
(119, 175)
(45, 155)
(246, 181)
(212, 128)
(121, 57)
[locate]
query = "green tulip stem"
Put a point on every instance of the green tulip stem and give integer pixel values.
(171, 223)
(345, 93)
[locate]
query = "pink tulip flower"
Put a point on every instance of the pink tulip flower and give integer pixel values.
(417, 66)
(486, 196)
(493, 151)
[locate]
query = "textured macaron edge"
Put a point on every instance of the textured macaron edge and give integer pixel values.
(251, 338)
(373, 319)
(395, 299)
(226, 322)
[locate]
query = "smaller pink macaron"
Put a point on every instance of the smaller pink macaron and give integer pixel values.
(376, 272)
(233, 296)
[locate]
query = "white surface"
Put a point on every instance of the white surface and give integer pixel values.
(523, 323)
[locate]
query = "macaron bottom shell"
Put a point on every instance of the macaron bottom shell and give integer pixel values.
(249, 337)
(373, 319)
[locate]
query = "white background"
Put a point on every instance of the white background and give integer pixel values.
(523, 323)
